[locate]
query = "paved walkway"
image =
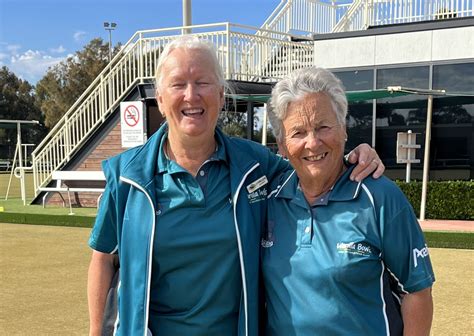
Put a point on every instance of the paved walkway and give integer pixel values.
(447, 225)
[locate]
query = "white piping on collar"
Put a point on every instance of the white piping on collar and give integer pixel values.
(279, 188)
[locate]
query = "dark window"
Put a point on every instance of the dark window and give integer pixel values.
(359, 118)
(453, 118)
(400, 114)
(356, 80)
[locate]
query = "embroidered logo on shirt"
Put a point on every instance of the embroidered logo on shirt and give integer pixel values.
(257, 196)
(419, 254)
(354, 248)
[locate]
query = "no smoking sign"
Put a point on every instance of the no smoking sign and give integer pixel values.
(132, 121)
(131, 115)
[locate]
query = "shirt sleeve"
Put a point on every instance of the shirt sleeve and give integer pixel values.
(405, 252)
(103, 237)
(275, 164)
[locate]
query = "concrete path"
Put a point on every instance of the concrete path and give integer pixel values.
(447, 225)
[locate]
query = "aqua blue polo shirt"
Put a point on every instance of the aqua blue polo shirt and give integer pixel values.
(196, 282)
(338, 267)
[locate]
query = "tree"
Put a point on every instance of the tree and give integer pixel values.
(64, 83)
(233, 123)
(17, 102)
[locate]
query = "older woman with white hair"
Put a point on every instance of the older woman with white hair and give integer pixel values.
(183, 213)
(340, 257)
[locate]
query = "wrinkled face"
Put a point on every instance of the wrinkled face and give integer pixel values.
(313, 140)
(189, 95)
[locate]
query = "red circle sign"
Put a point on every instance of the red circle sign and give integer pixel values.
(131, 115)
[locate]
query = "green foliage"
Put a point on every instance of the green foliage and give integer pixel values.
(445, 199)
(17, 102)
(233, 123)
(64, 83)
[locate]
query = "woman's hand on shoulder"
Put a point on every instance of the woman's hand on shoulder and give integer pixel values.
(368, 162)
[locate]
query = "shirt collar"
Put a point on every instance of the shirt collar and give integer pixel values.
(164, 164)
(343, 190)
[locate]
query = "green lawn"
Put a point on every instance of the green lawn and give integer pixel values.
(15, 186)
(13, 210)
(44, 275)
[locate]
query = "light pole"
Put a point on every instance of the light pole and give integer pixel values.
(110, 26)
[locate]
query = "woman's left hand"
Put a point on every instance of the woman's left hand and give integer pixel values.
(367, 161)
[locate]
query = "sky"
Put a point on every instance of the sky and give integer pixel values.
(37, 34)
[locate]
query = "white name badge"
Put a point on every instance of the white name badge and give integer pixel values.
(257, 184)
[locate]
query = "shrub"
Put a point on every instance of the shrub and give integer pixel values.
(444, 199)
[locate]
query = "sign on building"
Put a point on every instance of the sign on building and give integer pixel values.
(132, 121)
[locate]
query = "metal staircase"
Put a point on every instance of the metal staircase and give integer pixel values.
(245, 53)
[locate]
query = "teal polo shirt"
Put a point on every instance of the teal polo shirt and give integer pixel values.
(338, 267)
(196, 282)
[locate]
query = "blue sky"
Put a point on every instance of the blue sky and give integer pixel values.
(37, 34)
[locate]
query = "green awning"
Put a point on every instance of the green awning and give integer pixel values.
(352, 96)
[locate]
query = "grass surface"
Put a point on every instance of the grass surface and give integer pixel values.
(458, 240)
(16, 206)
(15, 186)
(44, 273)
(43, 280)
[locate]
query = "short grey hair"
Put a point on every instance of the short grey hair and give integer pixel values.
(299, 84)
(194, 43)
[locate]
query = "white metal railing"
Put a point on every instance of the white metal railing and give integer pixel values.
(365, 13)
(242, 54)
(306, 16)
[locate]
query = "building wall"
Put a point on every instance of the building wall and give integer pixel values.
(396, 48)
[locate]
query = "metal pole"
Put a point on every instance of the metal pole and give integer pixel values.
(110, 45)
(187, 20)
(426, 163)
(264, 125)
(407, 179)
(20, 163)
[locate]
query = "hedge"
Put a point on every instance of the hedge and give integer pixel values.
(444, 200)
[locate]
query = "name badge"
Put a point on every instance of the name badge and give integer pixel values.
(257, 184)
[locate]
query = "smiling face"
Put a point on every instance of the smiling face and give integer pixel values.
(313, 141)
(189, 94)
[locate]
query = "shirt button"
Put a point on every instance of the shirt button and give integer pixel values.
(307, 229)
(202, 173)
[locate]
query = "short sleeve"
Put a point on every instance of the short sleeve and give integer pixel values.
(405, 252)
(103, 237)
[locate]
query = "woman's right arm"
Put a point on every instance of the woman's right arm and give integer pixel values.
(101, 271)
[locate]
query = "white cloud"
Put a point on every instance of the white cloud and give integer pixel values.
(79, 36)
(13, 48)
(32, 64)
(58, 50)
